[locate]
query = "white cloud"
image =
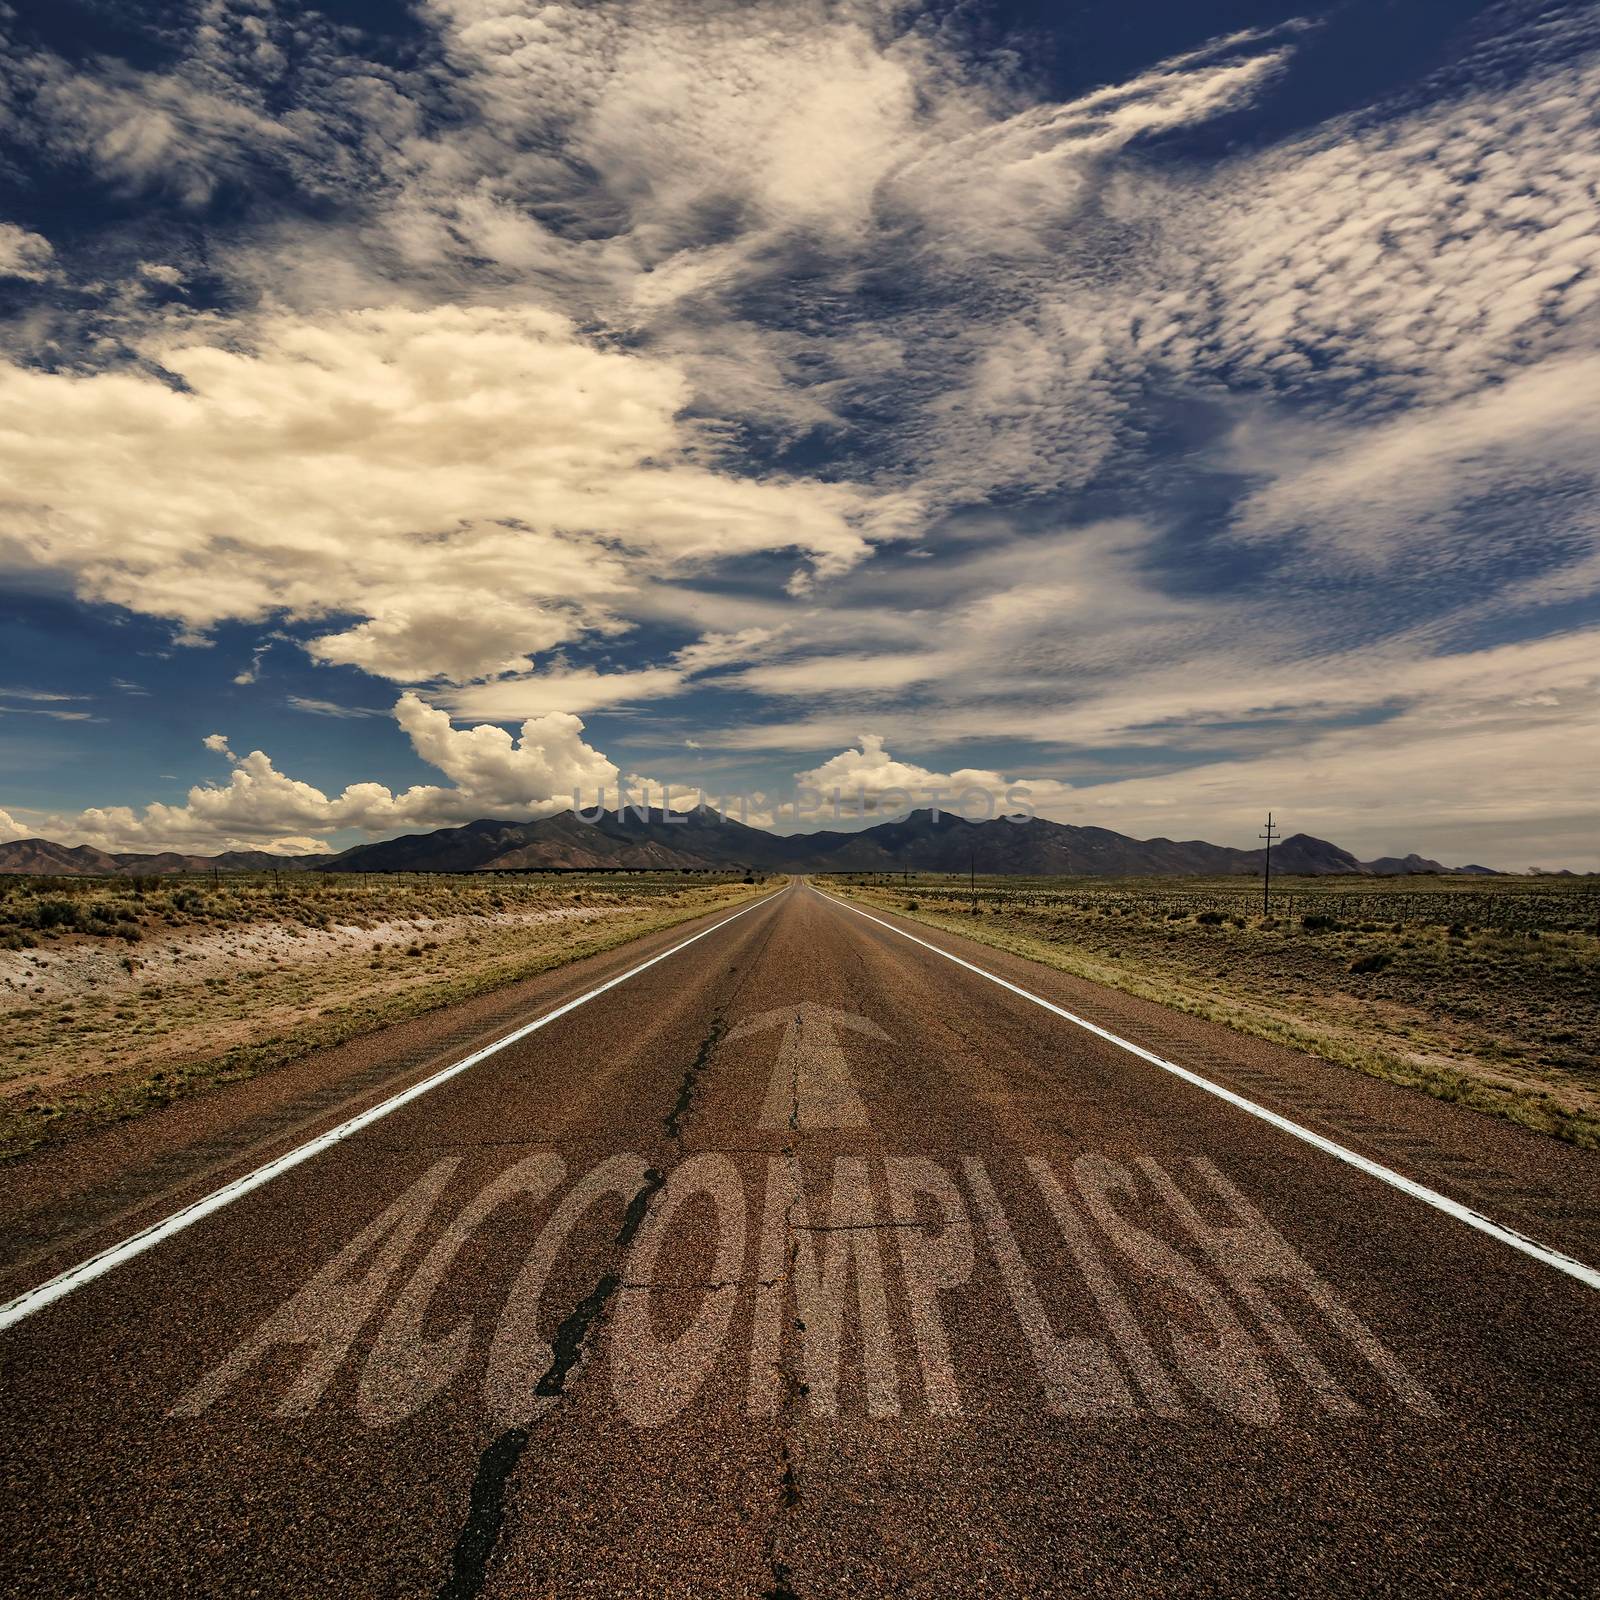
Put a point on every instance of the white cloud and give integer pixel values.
(843, 674)
(871, 773)
(1407, 257)
(329, 708)
(542, 769)
(539, 694)
(11, 829)
(473, 484)
(25, 255)
(1412, 257)
(1380, 491)
(548, 763)
(714, 650)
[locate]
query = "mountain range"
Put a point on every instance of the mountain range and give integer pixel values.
(705, 840)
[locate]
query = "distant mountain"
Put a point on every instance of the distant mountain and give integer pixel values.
(1393, 866)
(703, 839)
(46, 858)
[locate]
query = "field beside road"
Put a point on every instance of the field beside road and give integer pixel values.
(1482, 992)
(120, 995)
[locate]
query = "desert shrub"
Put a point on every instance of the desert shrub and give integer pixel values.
(1319, 922)
(1210, 919)
(1375, 962)
(54, 913)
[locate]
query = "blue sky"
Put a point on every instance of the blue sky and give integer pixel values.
(417, 413)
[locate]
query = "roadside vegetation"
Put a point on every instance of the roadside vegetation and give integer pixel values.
(1483, 992)
(117, 995)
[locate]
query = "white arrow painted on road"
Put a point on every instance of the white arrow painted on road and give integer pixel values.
(811, 1084)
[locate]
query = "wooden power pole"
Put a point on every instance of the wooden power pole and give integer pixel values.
(1266, 876)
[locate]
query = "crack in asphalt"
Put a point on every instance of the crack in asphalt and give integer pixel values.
(672, 1122)
(480, 1533)
(794, 1093)
(795, 1389)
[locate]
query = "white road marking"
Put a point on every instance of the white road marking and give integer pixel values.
(811, 1085)
(13, 1311)
(1418, 1191)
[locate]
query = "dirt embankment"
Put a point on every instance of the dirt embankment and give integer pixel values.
(85, 967)
(111, 1004)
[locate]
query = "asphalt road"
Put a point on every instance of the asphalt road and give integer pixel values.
(806, 1262)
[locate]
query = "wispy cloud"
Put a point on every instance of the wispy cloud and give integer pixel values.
(330, 708)
(42, 703)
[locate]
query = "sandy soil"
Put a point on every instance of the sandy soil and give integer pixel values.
(73, 970)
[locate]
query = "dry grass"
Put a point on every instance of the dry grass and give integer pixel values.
(134, 999)
(1482, 992)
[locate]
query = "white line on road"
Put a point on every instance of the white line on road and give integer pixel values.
(1373, 1169)
(136, 1244)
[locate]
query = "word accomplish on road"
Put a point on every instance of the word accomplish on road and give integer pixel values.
(798, 1273)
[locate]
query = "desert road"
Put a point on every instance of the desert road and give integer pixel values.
(779, 1254)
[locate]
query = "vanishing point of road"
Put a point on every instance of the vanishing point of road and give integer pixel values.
(781, 1254)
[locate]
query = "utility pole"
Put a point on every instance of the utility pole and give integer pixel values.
(1266, 876)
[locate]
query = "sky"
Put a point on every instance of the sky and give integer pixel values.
(417, 413)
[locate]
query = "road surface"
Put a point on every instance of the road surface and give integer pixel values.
(806, 1261)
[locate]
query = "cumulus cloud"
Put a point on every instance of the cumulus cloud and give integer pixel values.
(872, 774)
(534, 773)
(11, 829)
(1445, 754)
(543, 767)
(472, 484)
